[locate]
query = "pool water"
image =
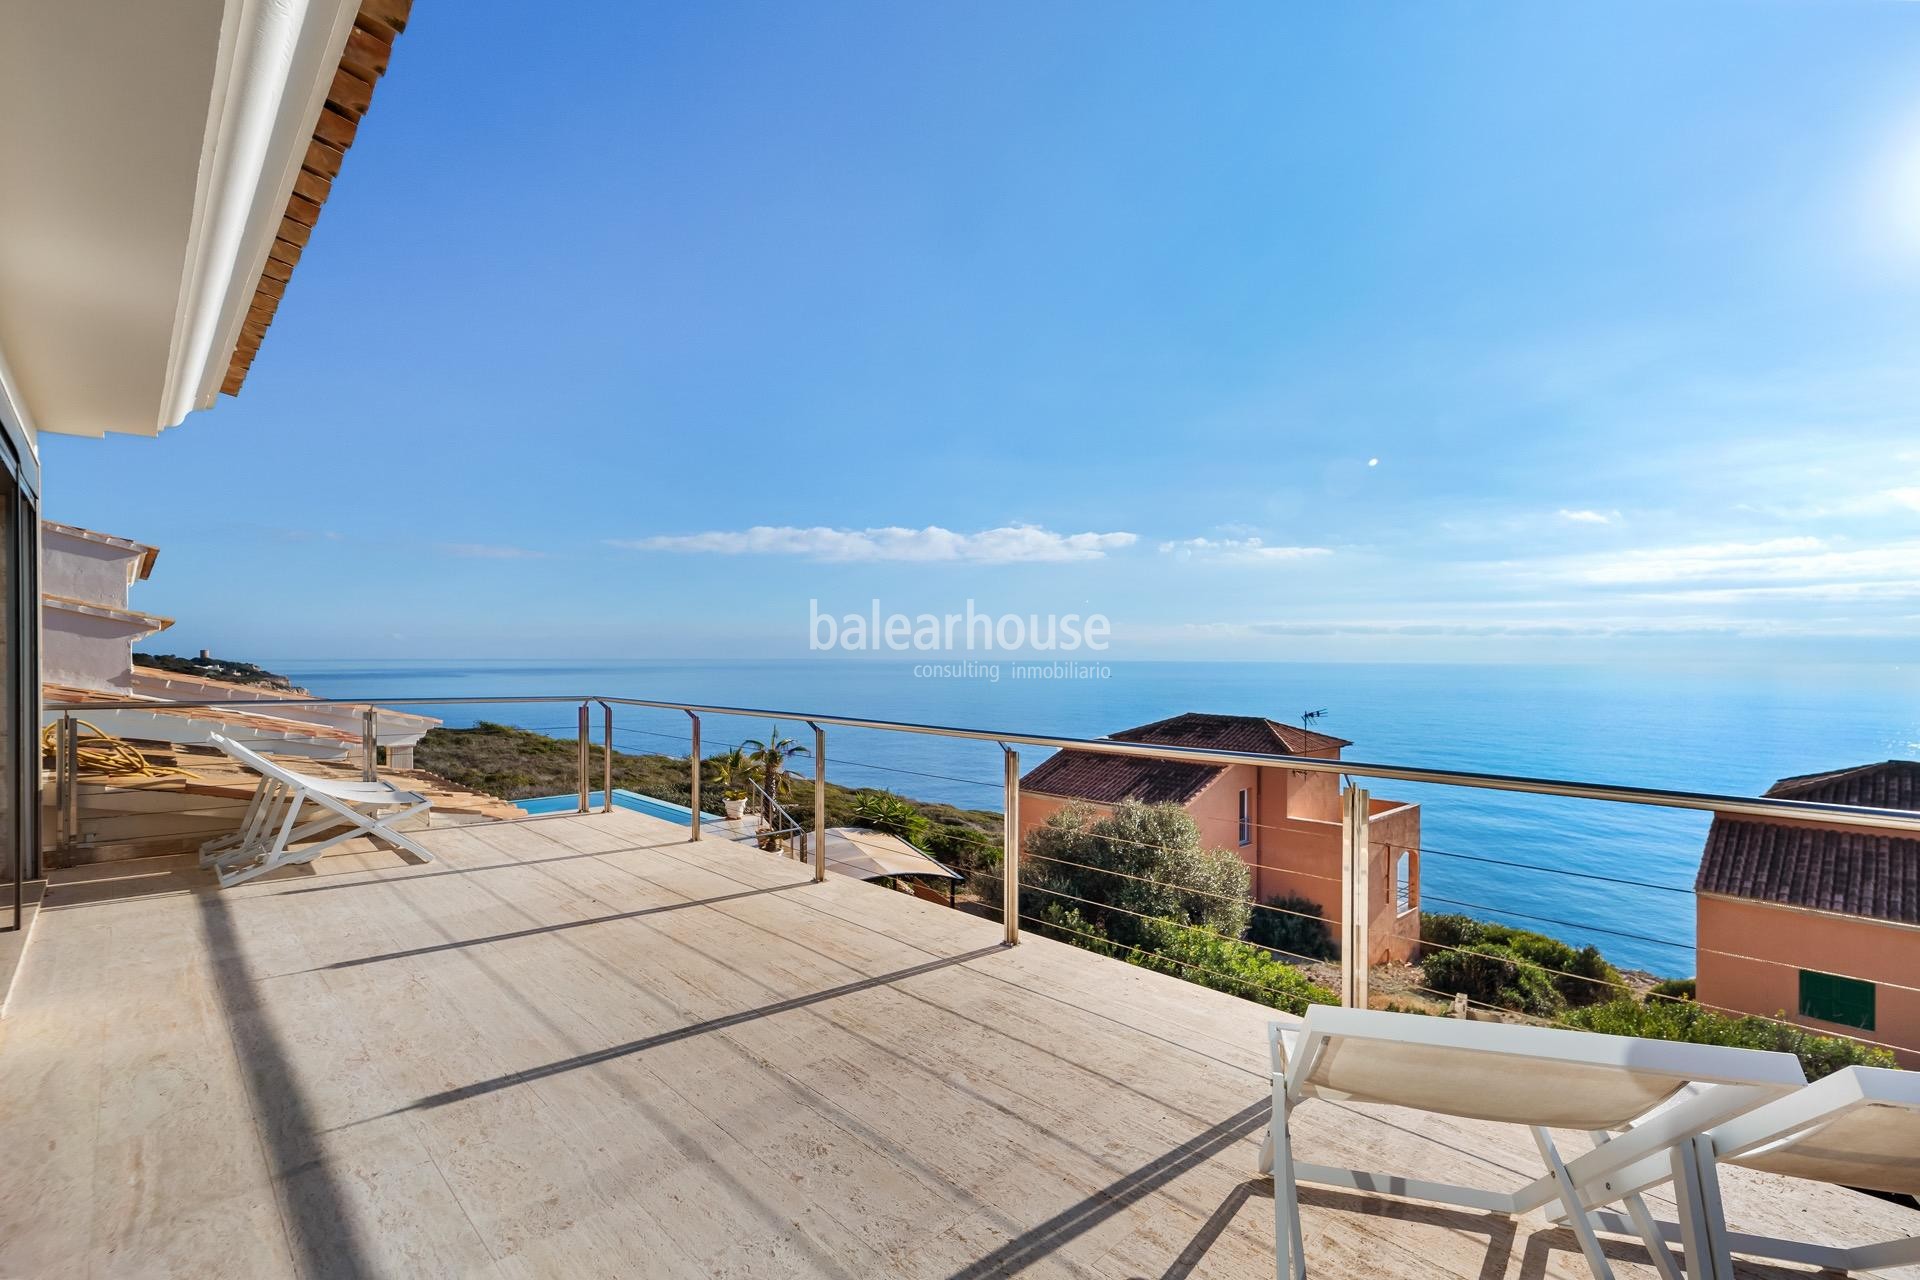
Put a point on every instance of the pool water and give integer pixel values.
(622, 799)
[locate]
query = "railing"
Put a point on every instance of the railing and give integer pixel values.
(1351, 886)
(786, 828)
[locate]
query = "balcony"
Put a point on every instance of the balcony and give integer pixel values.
(587, 1045)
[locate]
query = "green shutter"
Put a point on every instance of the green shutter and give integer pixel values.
(1830, 998)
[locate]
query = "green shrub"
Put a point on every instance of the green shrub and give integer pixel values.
(1136, 864)
(1495, 975)
(1675, 989)
(1580, 974)
(966, 849)
(1448, 930)
(1237, 968)
(1285, 925)
(1682, 1020)
(884, 812)
(1064, 923)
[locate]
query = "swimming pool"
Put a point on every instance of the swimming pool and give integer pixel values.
(622, 799)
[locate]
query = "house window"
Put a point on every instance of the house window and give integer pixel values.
(1246, 816)
(1403, 881)
(1830, 998)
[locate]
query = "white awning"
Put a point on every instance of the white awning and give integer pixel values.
(869, 855)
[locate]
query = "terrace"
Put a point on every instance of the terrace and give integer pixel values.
(591, 1043)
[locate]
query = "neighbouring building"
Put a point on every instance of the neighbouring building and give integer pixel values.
(1284, 823)
(89, 628)
(1813, 922)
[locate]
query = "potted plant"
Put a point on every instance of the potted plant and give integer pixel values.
(730, 771)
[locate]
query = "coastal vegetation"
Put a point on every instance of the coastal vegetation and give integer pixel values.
(215, 669)
(1295, 927)
(1138, 884)
(1513, 968)
(1132, 867)
(1664, 1019)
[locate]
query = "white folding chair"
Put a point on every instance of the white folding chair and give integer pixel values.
(272, 824)
(1855, 1128)
(1627, 1093)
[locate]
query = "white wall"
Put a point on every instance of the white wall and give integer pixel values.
(83, 570)
(79, 649)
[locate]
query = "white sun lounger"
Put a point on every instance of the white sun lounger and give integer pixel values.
(1855, 1128)
(1539, 1077)
(273, 824)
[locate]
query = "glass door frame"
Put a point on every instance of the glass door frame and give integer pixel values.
(20, 472)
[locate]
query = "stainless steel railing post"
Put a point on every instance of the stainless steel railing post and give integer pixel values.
(1355, 896)
(606, 761)
(1010, 845)
(819, 802)
(585, 765)
(693, 776)
(66, 765)
(370, 744)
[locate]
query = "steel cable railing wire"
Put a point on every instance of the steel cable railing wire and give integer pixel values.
(1173, 886)
(1426, 850)
(835, 761)
(1141, 915)
(1655, 995)
(1042, 924)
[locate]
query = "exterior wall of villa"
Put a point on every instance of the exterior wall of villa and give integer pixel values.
(1782, 941)
(1294, 856)
(83, 570)
(86, 651)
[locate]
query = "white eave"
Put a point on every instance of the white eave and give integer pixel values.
(138, 624)
(148, 554)
(149, 158)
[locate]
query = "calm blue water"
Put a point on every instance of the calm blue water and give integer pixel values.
(1704, 729)
(622, 799)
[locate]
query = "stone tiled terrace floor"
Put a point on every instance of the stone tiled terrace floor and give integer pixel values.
(582, 1046)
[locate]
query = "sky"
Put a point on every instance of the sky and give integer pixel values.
(1399, 331)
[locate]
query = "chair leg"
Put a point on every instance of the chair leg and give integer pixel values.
(1696, 1189)
(1576, 1210)
(1290, 1260)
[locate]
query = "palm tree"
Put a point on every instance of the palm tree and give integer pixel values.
(729, 770)
(770, 756)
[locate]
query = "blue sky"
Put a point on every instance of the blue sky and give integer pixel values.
(1399, 331)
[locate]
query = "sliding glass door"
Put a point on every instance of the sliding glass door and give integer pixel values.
(19, 672)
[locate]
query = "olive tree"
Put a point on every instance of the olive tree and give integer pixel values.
(1138, 861)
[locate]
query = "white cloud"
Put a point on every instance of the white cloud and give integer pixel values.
(1909, 498)
(1010, 544)
(484, 551)
(1244, 550)
(1800, 559)
(1585, 516)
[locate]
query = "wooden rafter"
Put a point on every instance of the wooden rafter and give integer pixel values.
(362, 63)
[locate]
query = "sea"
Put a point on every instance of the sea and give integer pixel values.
(1614, 875)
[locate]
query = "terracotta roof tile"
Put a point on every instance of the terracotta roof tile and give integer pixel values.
(1104, 779)
(362, 63)
(1851, 871)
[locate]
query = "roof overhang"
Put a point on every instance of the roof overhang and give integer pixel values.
(151, 163)
(139, 625)
(143, 569)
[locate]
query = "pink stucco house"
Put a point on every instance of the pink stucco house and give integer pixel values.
(1817, 923)
(1284, 823)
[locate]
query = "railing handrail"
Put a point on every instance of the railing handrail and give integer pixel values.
(793, 823)
(1701, 801)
